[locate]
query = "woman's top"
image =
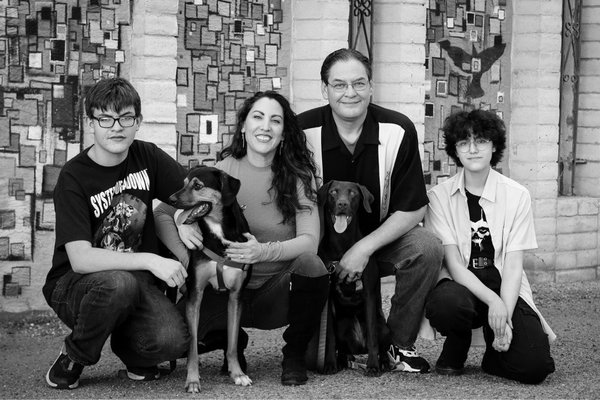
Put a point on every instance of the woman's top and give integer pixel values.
(266, 220)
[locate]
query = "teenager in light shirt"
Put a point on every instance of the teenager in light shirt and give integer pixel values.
(485, 222)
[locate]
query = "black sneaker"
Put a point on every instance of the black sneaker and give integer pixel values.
(64, 373)
(407, 360)
(143, 373)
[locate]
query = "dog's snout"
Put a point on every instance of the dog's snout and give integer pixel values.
(342, 205)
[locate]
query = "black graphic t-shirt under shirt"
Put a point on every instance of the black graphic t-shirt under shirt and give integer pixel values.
(481, 244)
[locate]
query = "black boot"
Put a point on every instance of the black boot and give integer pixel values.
(217, 340)
(307, 298)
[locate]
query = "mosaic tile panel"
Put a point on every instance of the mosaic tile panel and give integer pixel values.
(227, 50)
(50, 53)
(466, 55)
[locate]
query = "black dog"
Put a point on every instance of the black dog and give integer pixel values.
(209, 198)
(356, 314)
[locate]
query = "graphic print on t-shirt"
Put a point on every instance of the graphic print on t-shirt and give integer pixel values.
(480, 234)
(121, 228)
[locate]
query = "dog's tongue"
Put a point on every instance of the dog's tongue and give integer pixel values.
(341, 223)
(199, 211)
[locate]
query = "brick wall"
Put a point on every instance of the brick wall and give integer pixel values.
(566, 227)
(318, 28)
(399, 58)
(154, 68)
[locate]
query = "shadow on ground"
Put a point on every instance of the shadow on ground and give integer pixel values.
(30, 342)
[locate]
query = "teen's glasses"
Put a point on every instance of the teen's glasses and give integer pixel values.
(480, 143)
(126, 121)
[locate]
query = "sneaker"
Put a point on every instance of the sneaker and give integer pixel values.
(407, 360)
(64, 373)
(143, 373)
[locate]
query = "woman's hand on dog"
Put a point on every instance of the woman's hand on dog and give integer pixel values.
(244, 252)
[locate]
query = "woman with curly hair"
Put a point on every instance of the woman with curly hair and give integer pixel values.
(485, 222)
(269, 155)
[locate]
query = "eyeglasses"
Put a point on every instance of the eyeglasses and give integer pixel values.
(341, 87)
(480, 144)
(108, 122)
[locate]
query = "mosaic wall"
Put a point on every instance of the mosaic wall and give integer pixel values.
(50, 53)
(467, 66)
(227, 50)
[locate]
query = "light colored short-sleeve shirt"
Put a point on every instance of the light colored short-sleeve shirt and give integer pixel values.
(507, 206)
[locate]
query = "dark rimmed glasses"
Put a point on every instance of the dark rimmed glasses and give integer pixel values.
(126, 121)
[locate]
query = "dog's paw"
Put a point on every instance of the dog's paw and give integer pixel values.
(242, 380)
(192, 387)
(373, 372)
(330, 368)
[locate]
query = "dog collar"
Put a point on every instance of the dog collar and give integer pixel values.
(221, 261)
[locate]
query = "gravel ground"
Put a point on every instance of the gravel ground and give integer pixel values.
(30, 342)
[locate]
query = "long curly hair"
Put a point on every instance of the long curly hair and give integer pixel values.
(293, 159)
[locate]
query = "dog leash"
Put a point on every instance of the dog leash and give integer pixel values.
(221, 261)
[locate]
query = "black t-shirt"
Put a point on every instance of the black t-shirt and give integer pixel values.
(481, 243)
(408, 192)
(111, 207)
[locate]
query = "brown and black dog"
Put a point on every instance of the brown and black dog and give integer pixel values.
(209, 198)
(356, 315)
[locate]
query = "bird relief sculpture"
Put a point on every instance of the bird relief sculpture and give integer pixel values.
(474, 64)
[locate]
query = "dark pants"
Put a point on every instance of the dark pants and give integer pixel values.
(415, 260)
(265, 307)
(145, 326)
(454, 311)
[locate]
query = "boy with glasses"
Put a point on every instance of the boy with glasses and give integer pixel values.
(485, 222)
(106, 273)
(355, 140)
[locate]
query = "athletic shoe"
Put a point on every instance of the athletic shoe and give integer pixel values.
(407, 360)
(143, 373)
(64, 373)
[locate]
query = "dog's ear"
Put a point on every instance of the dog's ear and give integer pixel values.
(323, 192)
(366, 196)
(230, 187)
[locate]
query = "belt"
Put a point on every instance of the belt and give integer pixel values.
(481, 262)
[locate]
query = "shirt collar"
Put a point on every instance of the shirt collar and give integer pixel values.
(489, 190)
(331, 137)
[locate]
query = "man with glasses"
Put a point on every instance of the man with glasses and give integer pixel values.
(355, 140)
(106, 273)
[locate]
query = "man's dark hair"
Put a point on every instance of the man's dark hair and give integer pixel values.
(112, 94)
(477, 123)
(344, 55)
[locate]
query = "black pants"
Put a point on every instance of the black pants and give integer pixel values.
(454, 311)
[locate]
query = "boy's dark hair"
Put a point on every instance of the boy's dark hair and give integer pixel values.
(344, 55)
(112, 94)
(477, 123)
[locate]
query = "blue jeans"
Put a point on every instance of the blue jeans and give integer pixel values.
(415, 260)
(144, 326)
(265, 307)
